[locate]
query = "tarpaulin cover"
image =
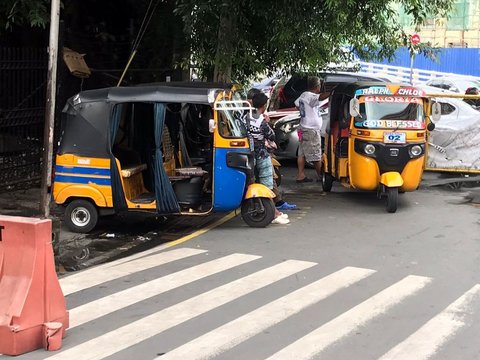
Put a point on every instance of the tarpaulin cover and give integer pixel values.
(455, 142)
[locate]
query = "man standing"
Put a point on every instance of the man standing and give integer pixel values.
(310, 148)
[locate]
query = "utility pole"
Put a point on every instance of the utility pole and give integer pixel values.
(50, 109)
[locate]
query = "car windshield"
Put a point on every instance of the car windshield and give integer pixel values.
(391, 112)
(465, 84)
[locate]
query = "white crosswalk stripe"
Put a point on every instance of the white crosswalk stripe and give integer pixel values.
(142, 329)
(93, 276)
(262, 317)
(231, 334)
(429, 338)
(95, 309)
(319, 339)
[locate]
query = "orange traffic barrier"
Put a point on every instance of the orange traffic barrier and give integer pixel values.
(33, 312)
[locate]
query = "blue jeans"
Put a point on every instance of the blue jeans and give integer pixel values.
(264, 171)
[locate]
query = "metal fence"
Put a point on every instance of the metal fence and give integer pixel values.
(23, 78)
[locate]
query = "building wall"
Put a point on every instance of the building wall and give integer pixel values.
(461, 29)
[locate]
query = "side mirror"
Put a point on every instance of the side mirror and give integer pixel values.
(211, 125)
(354, 107)
(430, 126)
(436, 111)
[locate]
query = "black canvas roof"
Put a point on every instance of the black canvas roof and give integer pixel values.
(193, 92)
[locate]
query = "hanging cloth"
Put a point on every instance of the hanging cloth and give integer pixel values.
(118, 196)
(166, 200)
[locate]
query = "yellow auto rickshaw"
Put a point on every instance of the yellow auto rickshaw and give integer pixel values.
(376, 138)
(171, 149)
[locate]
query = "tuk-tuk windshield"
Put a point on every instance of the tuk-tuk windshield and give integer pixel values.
(391, 112)
(231, 124)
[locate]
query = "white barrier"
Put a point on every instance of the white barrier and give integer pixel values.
(403, 73)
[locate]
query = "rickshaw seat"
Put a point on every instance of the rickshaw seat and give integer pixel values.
(126, 173)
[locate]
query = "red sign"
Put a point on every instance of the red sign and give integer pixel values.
(415, 39)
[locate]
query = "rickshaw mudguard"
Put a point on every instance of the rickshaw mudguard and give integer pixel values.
(258, 190)
(81, 191)
(391, 179)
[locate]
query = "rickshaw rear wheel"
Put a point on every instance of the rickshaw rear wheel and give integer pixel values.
(392, 199)
(258, 212)
(81, 216)
(327, 181)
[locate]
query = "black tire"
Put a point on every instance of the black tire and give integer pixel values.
(278, 179)
(258, 212)
(392, 199)
(81, 216)
(327, 181)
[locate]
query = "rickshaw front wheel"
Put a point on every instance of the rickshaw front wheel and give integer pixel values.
(258, 212)
(81, 216)
(392, 199)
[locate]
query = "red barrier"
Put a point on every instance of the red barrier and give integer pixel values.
(32, 306)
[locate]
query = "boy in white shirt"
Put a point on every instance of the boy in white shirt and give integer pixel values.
(310, 147)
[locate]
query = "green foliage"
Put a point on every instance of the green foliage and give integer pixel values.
(296, 36)
(35, 13)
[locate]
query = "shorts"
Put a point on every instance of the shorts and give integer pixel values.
(264, 172)
(310, 145)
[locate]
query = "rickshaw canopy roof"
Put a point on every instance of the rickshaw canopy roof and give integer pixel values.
(181, 92)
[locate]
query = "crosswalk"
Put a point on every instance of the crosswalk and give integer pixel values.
(238, 277)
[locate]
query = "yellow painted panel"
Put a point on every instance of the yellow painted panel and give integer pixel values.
(412, 174)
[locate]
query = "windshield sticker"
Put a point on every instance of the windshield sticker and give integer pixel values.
(390, 124)
(393, 99)
(390, 90)
(374, 90)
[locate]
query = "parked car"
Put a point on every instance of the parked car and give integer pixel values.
(267, 84)
(454, 84)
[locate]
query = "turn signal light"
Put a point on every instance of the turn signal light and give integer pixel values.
(363, 132)
(237, 143)
(420, 134)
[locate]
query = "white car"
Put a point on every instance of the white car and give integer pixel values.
(454, 84)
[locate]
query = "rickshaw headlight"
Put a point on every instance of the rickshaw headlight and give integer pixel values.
(369, 149)
(416, 150)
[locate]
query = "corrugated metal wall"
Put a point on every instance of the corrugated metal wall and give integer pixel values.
(463, 61)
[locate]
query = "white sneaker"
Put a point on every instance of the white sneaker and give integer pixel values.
(284, 215)
(280, 220)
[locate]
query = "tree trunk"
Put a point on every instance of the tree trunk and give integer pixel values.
(225, 46)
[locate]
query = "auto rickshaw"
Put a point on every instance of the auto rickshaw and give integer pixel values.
(172, 149)
(376, 138)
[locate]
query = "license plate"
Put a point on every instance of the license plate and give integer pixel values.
(394, 138)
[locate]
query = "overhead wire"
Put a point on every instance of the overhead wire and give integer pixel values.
(141, 32)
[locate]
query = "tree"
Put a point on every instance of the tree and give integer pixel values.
(234, 39)
(35, 13)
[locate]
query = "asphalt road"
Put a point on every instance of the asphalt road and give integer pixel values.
(343, 280)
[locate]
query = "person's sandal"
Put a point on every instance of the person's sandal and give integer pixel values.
(304, 180)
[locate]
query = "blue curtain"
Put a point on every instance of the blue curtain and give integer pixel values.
(164, 194)
(119, 202)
